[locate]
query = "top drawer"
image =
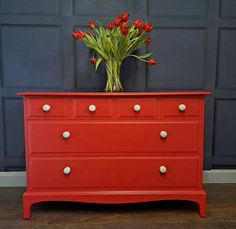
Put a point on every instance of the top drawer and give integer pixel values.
(47, 107)
(137, 108)
(106, 108)
(180, 107)
(93, 108)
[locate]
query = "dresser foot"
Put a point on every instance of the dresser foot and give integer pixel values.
(26, 208)
(202, 207)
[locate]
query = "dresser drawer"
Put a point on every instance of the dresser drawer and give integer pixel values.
(113, 137)
(93, 108)
(180, 107)
(120, 173)
(47, 107)
(137, 108)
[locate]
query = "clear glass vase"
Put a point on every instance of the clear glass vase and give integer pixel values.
(113, 76)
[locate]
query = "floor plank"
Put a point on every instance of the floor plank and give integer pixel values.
(221, 213)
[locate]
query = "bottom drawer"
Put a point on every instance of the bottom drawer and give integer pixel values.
(119, 173)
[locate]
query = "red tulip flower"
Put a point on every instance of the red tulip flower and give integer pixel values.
(117, 20)
(124, 16)
(93, 60)
(148, 40)
(152, 61)
(138, 23)
(92, 25)
(147, 27)
(78, 34)
(122, 23)
(110, 25)
(124, 30)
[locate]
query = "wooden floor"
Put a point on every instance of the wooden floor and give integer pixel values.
(221, 213)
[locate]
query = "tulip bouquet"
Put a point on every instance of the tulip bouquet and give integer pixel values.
(115, 42)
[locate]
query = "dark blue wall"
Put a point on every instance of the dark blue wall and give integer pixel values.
(193, 40)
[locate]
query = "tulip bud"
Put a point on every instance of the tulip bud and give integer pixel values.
(91, 25)
(152, 61)
(93, 60)
(110, 25)
(78, 34)
(148, 40)
(124, 16)
(117, 20)
(138, 23)
(147, 27)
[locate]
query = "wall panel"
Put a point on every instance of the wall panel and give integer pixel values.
(103, 8)
(228, 8)
(178, 8)
(36, 56)
(226, 75)
(181, 59)
(35, 7)
(13, 128)
(194, 42)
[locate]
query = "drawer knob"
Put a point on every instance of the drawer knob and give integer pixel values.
(46, 107)
(163, 134)
(163, 169)
(66, 134)
(137, 107)
(67, 170)
(92, 108)
(182, 107)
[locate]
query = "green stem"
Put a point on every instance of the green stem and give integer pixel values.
(113, 76)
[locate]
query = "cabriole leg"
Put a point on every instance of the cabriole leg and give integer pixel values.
(26, 208)
(202, 207)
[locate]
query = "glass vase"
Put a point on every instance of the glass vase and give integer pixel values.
(113, 76)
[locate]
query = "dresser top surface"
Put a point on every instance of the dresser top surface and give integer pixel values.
(104, 94)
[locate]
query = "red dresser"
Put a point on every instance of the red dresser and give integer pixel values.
(113, 147)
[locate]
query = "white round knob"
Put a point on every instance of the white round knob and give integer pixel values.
(137, 107)
(92, 108)
(46, 107)
(66, 134)
(182, 107)
(163, 169)
(163, 134)
(67, 170)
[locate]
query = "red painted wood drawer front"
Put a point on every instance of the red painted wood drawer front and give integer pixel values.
(137, 108)
(180, 107)
(47, 107)
(118, 173)
(93, 108)
(100, 137)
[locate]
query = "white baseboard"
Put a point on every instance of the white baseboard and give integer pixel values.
(219, 176)
(17, 179)
(12, 179)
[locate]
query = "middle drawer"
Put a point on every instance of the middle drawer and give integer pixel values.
(113, 137)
